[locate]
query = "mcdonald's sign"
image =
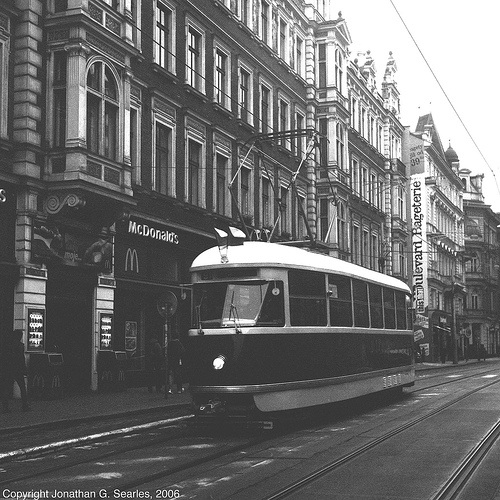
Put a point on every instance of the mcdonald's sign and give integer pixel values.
(131, 260)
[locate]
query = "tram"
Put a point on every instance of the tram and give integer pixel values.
(278, 328)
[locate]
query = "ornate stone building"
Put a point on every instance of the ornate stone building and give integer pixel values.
(482, 266)
(437, 232)
(122, 125)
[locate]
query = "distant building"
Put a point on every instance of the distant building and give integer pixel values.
(482, 260)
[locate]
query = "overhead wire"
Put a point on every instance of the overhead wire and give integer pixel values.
(446, 95)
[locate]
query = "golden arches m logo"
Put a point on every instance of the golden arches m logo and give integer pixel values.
(132, 260)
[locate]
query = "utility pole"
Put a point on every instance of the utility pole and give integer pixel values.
(454, 349)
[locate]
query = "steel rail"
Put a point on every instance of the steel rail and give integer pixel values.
(322, 471)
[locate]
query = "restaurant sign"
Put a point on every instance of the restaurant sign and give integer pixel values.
(71, 247)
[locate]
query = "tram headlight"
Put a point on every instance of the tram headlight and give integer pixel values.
(219, 362)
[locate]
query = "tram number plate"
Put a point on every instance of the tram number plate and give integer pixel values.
(392, 380)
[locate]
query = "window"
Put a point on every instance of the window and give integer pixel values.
(364, 183)
(102, 111)
(195, 172)
(299, 219)
(265, 109)
(284, 210)
(374, 252)
(323, 148)
(244, 95)
(163, 172)
(376, 306)
(401, 316)
(389, 309)
(299, 141)
(366, 252)
(323, 218)
(299, 56)
(264, 21)
(266, 202)
(194, 60)
(401, 202)
(341, 226)
(164, 37)
(283, 121)
(339, 72)
(354, 113)
(339, 293)
(360, 296)
(221, 163)
(245, 11)
(355, 175)
(245, 191)
(135, 142)
(59, 84)
(221, 78)
(60, 5)
(307, 298)
(474, 301)
(282, 41)
(356, 248)
(322, 65)
(340, 146)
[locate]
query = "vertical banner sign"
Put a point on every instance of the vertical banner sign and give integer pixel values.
(105, 331)
(419, 240)
(36, 329)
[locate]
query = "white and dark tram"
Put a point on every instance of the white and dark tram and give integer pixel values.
(278, 328)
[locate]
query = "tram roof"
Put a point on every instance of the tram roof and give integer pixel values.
(273, 255)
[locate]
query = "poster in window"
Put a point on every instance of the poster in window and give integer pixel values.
(36, 329)
(106, 331)
(130, 335)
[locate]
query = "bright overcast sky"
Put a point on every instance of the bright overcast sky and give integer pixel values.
(459, 41)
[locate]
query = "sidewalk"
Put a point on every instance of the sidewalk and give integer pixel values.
(86, 407)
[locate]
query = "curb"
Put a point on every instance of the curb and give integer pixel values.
(60, 445)
(70, 421)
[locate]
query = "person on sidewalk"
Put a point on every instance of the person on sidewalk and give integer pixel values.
(13, 369)
(175, 352)
(154, 365)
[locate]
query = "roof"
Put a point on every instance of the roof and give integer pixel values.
(261, 254)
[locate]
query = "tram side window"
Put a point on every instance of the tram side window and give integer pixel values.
(307, 298)
(401, 310)
(389, 309)
(376, 306)
(360, 295)
(339, 291)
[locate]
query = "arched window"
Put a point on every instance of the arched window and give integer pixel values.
(102, 111)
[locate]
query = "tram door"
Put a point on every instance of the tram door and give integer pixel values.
(69, 331)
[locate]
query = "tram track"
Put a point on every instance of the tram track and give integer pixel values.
(452, 488)
(240, 447)
(448, 491)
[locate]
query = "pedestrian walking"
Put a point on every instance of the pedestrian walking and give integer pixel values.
(13, 369)
(154, 365)
(175, 353)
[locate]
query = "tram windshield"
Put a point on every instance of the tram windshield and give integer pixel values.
(238, 304)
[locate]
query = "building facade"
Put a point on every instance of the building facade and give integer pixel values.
(437, 242)
(124, 123)
(482, 249)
